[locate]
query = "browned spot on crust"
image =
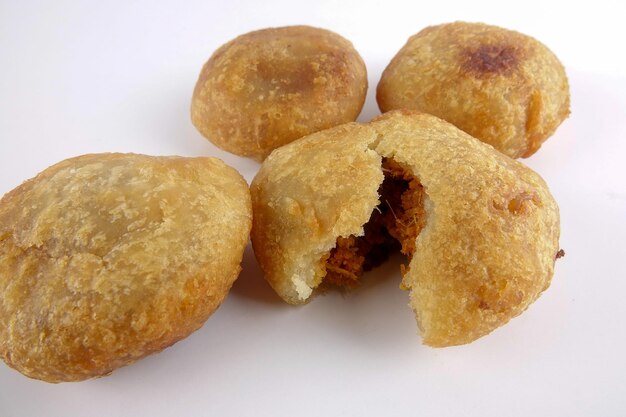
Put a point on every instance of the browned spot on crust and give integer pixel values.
(520, 203)
(559, 254)
(288, 78)
(497, 296)
(489, 60)
(533, 123)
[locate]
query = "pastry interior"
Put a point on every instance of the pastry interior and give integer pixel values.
(394, 225)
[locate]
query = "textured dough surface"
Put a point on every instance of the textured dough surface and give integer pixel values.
(300, 200)
(269, 87)
(488, 246)
(107, 258)
(500, 86)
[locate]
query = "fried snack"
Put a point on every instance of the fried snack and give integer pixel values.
(107, 258)
(479, 229)
(502, 87)
(269, 87)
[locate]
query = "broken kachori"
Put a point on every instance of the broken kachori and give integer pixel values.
(480, 230)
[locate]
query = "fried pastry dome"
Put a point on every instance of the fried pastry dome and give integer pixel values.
(107, 258)
(500, 86)
(269, 87)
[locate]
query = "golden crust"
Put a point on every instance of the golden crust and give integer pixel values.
(300, 208)
(491, 231)
(269, 87)
(500, 86)
(491, 235)
(107, 258)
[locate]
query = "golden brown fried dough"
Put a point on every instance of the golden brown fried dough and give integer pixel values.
(502, 87)
(269, 87)
(107, 258)
(480, 229)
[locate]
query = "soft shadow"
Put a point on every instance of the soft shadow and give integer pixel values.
(376, 313)
(371, 319)
(251, 284)
(171, 132)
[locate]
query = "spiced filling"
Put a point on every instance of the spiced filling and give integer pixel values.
(394, 225)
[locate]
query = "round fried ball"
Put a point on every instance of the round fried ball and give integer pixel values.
(480, 229)
(269, 87)
(500, 86)
(107, 258)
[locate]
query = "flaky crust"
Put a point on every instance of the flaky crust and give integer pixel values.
(269, 87)
(488, 247)
(107, 258)
(500, 86)
(302, 204)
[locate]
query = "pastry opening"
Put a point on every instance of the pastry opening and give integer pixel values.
(394, 225)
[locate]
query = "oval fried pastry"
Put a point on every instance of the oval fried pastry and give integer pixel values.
(269, 87)
(500, 86)
(107, 258)
(480, 229)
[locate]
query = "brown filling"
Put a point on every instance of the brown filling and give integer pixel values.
(394, 225)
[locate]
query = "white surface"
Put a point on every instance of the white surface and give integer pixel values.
(78, 78)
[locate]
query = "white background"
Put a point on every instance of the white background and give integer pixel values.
(78, 77)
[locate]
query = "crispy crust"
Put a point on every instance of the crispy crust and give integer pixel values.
(500, 86)
(269, 87)
(491, 231)
(300, 207)
(107, 258)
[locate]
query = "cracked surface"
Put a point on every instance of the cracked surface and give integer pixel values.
(500, 86)
(395, 224)
(107, 258)
(354, 255)
(482, 228)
